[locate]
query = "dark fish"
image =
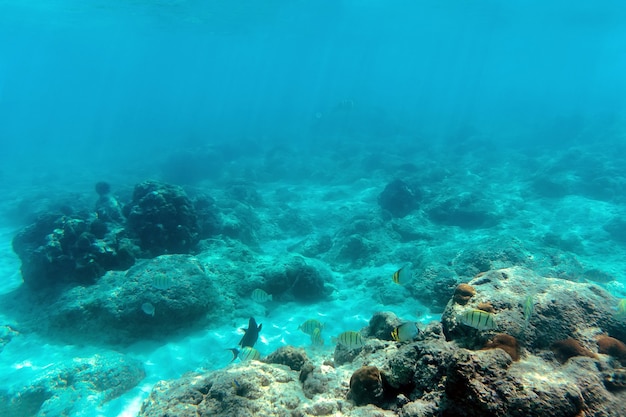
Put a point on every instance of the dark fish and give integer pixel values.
(251, 334)
(235, 353)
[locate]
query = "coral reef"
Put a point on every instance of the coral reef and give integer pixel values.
(430, 377)
(59, 249)
(436, 375)
(262, 389)
(576, 306)
(163, 218)
(294, 358)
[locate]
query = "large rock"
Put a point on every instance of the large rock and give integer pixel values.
(246, 389)
(297, 278)
(117, 309)
(442, 379)
(481, 384)
(561, 309)
(399, 198)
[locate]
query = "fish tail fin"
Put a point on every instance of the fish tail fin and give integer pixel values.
(270, 297)
(235, 353)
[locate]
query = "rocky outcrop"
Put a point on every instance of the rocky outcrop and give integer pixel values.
(451, 369)
(58, 250)
(153, 300)
(163, 219)
(557, 309)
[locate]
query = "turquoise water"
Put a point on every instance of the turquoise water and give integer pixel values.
(517, 112)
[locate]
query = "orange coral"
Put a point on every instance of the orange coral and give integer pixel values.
(505, 342)
(613, 347)
(486, 307)
(463, 293)
(568, 348)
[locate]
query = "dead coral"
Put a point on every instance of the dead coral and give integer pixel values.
(505, 342)
(568, 348)
(613, 347)
(463, 293)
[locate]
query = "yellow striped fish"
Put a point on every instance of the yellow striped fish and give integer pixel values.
(248, 354)
(316, 337)
(310, 325)
(479, 319)
(405, 331)
(260, 296)
(162, 281)
(402, 275)
(351, 340)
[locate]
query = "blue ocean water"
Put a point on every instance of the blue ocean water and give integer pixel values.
(517, 111)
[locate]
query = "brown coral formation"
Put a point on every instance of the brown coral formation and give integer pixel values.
(486, 307)
(613, 347)
(568, 348)
(505, 342)
(366, 386)
(463, 293)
